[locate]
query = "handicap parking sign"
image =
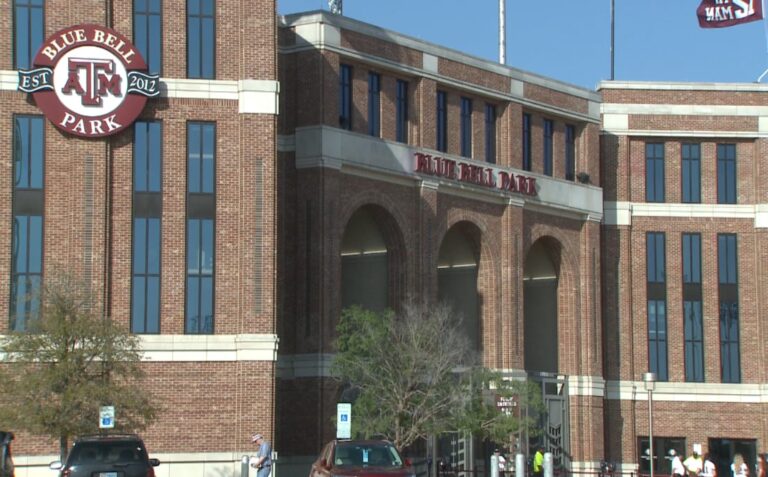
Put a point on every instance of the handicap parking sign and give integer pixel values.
(107, 417)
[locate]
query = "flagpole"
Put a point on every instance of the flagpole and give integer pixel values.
(613, 37)
(765, 27)
(502, 34)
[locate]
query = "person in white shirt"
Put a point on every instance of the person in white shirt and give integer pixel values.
(710, 470)
(677, 465)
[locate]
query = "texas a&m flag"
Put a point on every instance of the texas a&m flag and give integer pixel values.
(725, 13)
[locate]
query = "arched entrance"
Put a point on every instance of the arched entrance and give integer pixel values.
(540, 278)
(364, 267)
(457, 277)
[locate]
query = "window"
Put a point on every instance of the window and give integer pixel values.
(730, 365)
(657, 304)
(661, 447)
(201, 214)
(654, 172)
(490, 133)
(401, 123)
(201, 39)
(147, 212)
(549, 131)
(345, 97)
(466, 127)
(28, 28)
(570, 153)
(726, 173)
(27, 225)
(148, 32)
(374, 104)
(691, 173)
(526, 142)
(692, 308)
(442, 122)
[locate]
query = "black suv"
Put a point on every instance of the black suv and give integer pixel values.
(6, 460)
(114, 455)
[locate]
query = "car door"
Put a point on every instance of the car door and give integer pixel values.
(321, 467)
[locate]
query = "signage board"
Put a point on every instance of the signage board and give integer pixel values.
(107, 417)
(343, 420)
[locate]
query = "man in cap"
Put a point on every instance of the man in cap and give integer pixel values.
(263, 459)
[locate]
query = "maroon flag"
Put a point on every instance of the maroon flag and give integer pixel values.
(725, 13)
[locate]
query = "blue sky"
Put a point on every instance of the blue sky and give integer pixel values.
(569, 40)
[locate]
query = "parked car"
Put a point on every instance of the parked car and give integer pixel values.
(360, 458)
(115, 455)
(6, 459)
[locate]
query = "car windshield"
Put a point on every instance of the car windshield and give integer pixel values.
(106, 453)
(369, 454)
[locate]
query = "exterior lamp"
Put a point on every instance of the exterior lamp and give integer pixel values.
(649, 379)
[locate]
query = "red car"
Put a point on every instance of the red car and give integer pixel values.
(343, 458)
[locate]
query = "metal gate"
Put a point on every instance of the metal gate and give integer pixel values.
(555, 427)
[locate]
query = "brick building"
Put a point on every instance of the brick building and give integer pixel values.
(222, 221)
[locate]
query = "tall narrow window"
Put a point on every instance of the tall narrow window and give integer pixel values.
(657, 304)
(201, 39)
(549, 131)
(27, 226)
(654, 172)
(345, 97)
(692, 308)
(570, 153)
(442, 121)
(374, 104)
(526, 142)
(201, 215)
(728, 283)
(691, 173)
(147, 212)
(490, 133)
(148, 32)
(726, 173)
(28, 28)
(401, 123)
(466, 127)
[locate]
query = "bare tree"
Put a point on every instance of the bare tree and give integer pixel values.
(70, 361)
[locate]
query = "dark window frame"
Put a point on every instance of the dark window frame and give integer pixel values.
(728, 305)
(548, 147)
(690, 155)
(149, 21)
(27, 40)
(490, 133)
(442, 121)
(197, 22)
(726, 174)
(374, 104)
(657, 309)
(527, 154)
(345, 96)
(654, 172)
(570, 152)
(401, 112)
(466, 126)
(693, 321)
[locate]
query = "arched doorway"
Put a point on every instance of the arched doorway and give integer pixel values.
(540, 278)
(364, 267)
(457, 277)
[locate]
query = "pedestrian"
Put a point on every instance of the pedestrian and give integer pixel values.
(693, 463)
(538, 462)
(710, 469)
(263, 459)
(502, 462)
(678, 470)
(761, 465)
(739, 468)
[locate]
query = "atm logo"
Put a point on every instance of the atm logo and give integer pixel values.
(89, 81)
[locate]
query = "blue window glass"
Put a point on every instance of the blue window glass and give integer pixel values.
(374, 104)
(145, 306)
(726, 173)
(147, 157)
(490, 133)
(657, 338)
(570, 153)
(401, 123)
(201, 39)
(28, 152)
(28, 29)
(692, 258)
(691, 173)
(654, 172)
(442, 121)
(526, 142)
(730, 363)
(201, 152)
(345, 97)
(466, 127)
(694, 341)
(200, 268)
(549, 131)
(655, 258)
(148, 32)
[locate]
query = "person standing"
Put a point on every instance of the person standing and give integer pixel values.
(710, 469)
(761, 465)
(538, 462)
(678, 470)
(739, 468)
(263, 459)
(693, 464)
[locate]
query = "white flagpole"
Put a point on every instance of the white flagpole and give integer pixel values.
(502, 34)
(613, 37)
